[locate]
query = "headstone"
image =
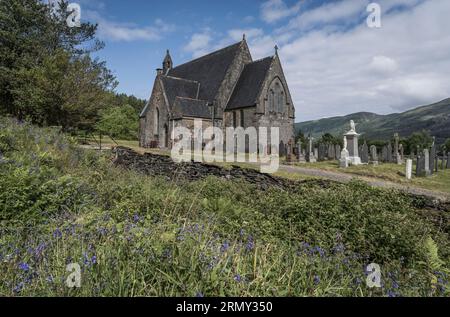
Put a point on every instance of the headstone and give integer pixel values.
(409, 169)
(426, 155)
(309, 152)
(331, 152)
(433, 158)
(300, 156)
(448, 160)
(316, 152)
(384, 154)
(373, 153)
(420, 165)
(337, 152)
(396, 157)
(402, 152)
(365, 153)
(281, 149)
(320, 153)
(389, 153)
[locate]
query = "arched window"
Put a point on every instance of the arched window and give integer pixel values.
(276, 97)
(156, 122)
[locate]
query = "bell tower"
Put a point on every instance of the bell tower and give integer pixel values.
(167, 63)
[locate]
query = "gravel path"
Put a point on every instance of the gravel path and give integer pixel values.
(345, 178)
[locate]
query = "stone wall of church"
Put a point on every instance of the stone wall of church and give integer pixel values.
(150, 135)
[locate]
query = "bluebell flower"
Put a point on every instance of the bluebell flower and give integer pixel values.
(224, 247)
(24, 267)
(199, 294)
(238, 278)
(57, 233)
(94, 259)
(316, 280)
(136, 218)
(391, 294)
(18, 288)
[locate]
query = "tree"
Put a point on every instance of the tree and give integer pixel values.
(447, 145)
(420, 140)
(328, 138)
(119, 122)
(46, 72)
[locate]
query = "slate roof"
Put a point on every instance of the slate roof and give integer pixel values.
(209, 71)
(249, 84)
(177, 87)
(187, 107)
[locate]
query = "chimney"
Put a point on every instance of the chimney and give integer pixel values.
(159, 71)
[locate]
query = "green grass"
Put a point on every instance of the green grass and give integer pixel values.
(135, 235)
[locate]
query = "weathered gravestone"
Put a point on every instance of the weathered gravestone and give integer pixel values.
(420, 165)
(389, 152)
(321, 154)
(331, 152)
(426, 154)
(402, 152)
(448, 160)
(408, 169)
(338, 152)
(365, 153)
(373, 154)
(310, 155)
(384, 154)
(316, 152)
(432, 158)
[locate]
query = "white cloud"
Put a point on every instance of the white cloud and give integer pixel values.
(199, 43)
(334, 70)
(274, 10)
(337, 11)
(383, 65)
(115, 31)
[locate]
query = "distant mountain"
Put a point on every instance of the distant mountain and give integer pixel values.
(433, 118)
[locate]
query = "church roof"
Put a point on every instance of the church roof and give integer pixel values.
(209, 70)
(187, 107)
(177, 87)
(249, 84)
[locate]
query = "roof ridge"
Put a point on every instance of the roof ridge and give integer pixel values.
(196, 99)
(179, 78)
(209, 54)
(261, 59)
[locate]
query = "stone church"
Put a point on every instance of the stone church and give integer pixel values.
(226, 88)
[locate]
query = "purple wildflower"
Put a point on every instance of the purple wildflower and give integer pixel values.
(316, 280)
(238, 278)
(57, 233)
(24, 267)
(224, 247)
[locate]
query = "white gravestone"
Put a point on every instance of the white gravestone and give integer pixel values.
(409, 164)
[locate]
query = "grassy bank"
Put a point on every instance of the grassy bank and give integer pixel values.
(134, 235)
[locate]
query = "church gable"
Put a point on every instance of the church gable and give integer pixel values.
(249, 85)
(274, 96)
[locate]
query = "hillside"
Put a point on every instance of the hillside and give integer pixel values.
(434, 118)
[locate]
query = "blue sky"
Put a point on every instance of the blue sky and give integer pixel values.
(334, 63)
